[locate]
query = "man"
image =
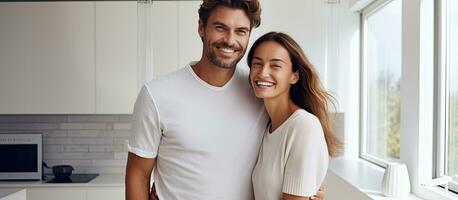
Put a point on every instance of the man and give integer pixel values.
(201, 127)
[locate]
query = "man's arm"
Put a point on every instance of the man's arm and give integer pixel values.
(138, 172)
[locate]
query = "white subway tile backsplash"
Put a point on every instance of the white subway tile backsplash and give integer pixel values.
(53, 148)
(28, 126)
(121, 140)
(106, 148)
(109, 163)
(125, 118)
(90, 143)
(41, 119)
(100, 169)
(93, 118)
(79, 155)
(83, 133)
(86, 126)
(121, 126)
(114, 133)
(79, 140)
(77, 148)
(54, 133)
(120, 155)
(80, 163)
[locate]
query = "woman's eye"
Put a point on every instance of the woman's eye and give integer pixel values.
(256, 64)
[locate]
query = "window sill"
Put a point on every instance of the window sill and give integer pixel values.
(364, 176)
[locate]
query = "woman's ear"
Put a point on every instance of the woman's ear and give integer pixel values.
(294, 78)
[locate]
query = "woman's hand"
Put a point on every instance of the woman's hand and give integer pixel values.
(320, 194)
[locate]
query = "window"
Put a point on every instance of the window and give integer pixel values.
(448, 162)
(381, 74)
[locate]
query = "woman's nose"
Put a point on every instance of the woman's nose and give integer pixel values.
(265, 72)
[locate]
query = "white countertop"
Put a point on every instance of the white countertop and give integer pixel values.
(8, 193)
(102, 180)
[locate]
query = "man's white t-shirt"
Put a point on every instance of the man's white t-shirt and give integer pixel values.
(293, 158)
(205, 139)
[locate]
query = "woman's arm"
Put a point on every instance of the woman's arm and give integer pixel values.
(319, 196)
(307, 162)
(293, 197)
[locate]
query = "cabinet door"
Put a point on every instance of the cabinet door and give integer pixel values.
(112, 193)
(164, 25)
(47, 62)
(56, 193)
(116, 57)
(189, 43)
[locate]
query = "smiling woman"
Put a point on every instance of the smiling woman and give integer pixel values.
(295, 151)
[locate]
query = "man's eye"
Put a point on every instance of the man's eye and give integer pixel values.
(256, 64)
(241, 32)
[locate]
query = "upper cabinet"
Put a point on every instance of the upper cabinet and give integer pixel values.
(68, 57)
(175, 40)
(116, 76)
(47, 56)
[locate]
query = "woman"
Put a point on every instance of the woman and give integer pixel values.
(295, 151)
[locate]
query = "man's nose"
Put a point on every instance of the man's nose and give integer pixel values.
(230, 38)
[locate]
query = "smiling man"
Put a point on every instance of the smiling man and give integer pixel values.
(201, 127)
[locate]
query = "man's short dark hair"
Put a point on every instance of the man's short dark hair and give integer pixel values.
(251, 8)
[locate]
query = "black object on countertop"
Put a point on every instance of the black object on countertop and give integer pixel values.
(74, 178)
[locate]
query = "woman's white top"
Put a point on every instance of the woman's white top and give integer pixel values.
(293, 159)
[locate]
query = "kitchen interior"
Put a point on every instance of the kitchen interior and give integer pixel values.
(70, 72)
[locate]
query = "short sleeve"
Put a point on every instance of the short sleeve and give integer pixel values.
(307, 157)
(146, 132)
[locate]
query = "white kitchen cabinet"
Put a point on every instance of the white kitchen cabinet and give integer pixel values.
(47, 57)
(75, 193)
(68, 57)
(56, 193)
(112, 193)
(175, 39)
(116, 57)
(190, 45)
(164, 25)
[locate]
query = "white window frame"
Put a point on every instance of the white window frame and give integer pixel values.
(417, 105)
(443, 95)
(367, 12)
(418, 138)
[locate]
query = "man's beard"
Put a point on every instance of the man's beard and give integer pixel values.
(211, 56)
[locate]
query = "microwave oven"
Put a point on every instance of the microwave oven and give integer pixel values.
(20, 156)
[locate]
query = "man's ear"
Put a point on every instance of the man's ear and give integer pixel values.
(201, 28)
(294, 77)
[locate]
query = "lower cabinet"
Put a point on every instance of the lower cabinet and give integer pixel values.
(57, 193)
(105, 193)
(75, 193)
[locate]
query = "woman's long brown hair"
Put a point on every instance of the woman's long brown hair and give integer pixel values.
(307, 93)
